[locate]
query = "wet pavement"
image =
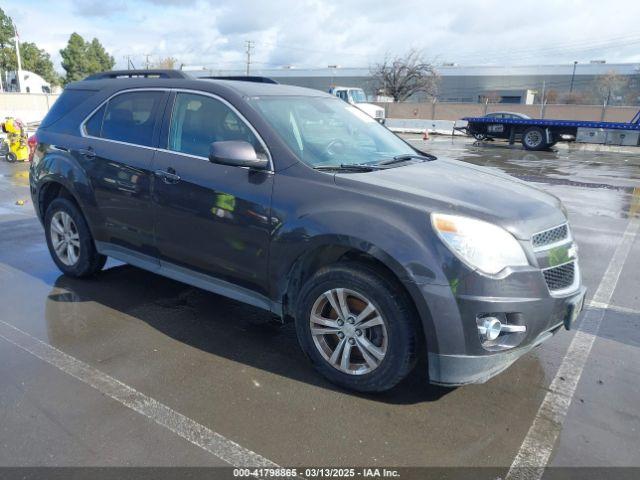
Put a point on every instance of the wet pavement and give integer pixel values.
(225, 366)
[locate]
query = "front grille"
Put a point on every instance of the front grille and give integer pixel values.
(548, 237)
(560, 277)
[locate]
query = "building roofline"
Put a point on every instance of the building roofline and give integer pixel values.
(456, 70)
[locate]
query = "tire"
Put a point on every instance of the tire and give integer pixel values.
(533, 138)
(480, 136)
(11, 157)
(390, 341)
(68, 220)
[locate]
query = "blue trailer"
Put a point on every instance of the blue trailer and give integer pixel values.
(540, 134)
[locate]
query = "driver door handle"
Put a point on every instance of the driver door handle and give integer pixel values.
(169, 176)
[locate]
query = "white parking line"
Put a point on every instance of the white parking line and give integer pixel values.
(537, 446)
(606, 231)
(163, 415)
(615, 308)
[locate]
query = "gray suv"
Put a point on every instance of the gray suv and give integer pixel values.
(295, 202)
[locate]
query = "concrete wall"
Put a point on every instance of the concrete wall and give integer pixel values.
(31, 107)
(28, 107)
(455, 111)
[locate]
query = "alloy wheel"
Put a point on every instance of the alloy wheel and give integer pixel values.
(65, 238)
(348, 331)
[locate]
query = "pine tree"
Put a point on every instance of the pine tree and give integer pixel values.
(7, 43)
(38, 61)
(99, 59)
(81, 58)
(74, 59)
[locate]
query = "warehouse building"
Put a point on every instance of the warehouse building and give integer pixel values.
(501, 84)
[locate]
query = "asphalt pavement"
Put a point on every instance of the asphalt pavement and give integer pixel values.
(132, 369)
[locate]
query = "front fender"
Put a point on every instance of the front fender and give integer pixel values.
(399, 245)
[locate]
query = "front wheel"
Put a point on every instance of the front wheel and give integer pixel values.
(69, 240)
(11, 157)
(357, 327)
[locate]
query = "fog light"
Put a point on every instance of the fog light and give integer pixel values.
(490, 328)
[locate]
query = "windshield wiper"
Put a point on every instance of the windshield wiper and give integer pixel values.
(348, 167)
(407, 157)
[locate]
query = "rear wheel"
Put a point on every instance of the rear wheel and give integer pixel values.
(11, 157)
(534, 138)
(357, 327)
(69, 240)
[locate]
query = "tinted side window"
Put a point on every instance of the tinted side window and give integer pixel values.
(131, 117)
(93, 126)
(69, 100)
(198, 120)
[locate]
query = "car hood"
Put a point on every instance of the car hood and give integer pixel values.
(454, 187)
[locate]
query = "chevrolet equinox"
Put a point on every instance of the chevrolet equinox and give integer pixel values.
(293, 201)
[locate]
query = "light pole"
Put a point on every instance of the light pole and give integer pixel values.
(573, 76)
(19, 72)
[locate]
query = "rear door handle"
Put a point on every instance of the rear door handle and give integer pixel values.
(88, 153)
(168, 177)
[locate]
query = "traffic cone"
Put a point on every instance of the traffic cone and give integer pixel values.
(425, 135)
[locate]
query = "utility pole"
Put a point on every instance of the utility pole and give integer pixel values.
(147, 55)
(543, 100)
(130, 65)
(250, 44)
(19, 72)
(573, 75)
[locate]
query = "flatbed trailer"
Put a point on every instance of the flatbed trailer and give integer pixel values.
(537, 133)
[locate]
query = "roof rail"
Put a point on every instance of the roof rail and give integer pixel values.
(138, 74)
(243, 78)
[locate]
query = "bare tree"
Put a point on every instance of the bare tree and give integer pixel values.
(632, 97)
(168, 63)
(403, 76)
(609, 87)
(551, 96)
(574, 98)
(491, 97)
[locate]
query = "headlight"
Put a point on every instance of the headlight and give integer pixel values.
(481, 245)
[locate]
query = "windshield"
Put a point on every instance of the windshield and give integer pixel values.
(358, 96)
(327, 131)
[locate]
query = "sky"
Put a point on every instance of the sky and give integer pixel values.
(349, 33)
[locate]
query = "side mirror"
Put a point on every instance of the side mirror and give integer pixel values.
(237, 153)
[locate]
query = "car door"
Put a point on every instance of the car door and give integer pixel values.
(210, 218)
(120, 138)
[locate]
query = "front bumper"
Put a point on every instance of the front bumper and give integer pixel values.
(543, 317)
(457, 370)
